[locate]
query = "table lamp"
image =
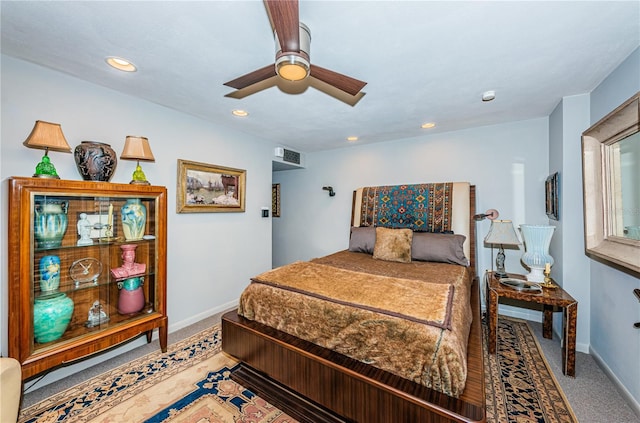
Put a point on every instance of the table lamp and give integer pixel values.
(137, 148)
(501, 233)
(47, 136)
(537, 239)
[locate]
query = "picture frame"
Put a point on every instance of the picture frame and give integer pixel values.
(275, 200)
(208, 188)
(552, 196)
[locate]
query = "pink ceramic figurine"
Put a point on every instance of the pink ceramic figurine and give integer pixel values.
(129, 266)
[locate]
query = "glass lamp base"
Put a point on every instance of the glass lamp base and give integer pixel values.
(536, 274)
(35, 175)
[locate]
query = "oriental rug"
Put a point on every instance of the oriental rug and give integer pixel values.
(190, 384)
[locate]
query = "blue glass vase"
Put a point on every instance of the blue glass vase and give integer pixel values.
(51, 316)
(49, 274)
(134, 219)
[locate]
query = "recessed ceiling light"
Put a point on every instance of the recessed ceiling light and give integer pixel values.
(427, 125)
(239, 113)
(121, 64)
(488, 95)
(352, 138)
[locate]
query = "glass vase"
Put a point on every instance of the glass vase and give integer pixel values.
(537, 239)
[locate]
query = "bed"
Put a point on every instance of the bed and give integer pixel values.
(318, 340)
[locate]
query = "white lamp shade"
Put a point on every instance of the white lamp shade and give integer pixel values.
(502, 232)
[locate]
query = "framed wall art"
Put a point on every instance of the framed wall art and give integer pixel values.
(275, 200)
(207, 188)
(552, 197)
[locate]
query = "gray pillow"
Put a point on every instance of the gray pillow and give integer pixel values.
(444, 248)
(362, 239)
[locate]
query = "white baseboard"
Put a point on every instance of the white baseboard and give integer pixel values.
(201, 316)
(633, 403)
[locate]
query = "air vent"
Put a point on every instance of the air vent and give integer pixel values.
(291, 156)
(285, 159)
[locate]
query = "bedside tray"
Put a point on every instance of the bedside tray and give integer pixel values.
(521, 285)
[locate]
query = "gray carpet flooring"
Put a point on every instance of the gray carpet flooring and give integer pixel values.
(592, 395)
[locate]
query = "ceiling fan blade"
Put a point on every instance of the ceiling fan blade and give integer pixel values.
(332, 91)
(252, 89)
(285, 18)
(342, 82)
(252, 77)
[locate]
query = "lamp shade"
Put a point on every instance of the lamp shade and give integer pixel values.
(502, 232)
(137, 148)
(47, 135)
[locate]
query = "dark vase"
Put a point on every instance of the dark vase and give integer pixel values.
(96, 161)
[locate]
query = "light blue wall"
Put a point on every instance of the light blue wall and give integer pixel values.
(614, 308)
(207, 257)
(508, 164)
(571, 268)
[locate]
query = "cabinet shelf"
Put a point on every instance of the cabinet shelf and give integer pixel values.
(80, 329)
(70, 295)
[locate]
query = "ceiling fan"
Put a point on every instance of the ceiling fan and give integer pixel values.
(292, 62)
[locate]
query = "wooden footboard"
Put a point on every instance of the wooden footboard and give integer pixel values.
(314, 384)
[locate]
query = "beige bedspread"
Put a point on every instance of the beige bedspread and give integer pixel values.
(411, 319)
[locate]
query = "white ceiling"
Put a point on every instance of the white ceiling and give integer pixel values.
(423, 60)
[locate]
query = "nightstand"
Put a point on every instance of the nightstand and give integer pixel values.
(550, 300)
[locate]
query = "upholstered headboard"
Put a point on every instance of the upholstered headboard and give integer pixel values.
(431, 207)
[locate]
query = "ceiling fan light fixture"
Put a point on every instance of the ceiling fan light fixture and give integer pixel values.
(292, 67)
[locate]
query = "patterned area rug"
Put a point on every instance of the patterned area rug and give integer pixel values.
(190, 384)
(519, 385)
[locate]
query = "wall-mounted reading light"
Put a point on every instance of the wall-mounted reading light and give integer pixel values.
(331, 191)
(490, 214)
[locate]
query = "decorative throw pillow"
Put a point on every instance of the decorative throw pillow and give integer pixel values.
(362, 239)
(393, 245)
(442, 248)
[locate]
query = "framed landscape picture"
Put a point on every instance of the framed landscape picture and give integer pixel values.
(207, 188)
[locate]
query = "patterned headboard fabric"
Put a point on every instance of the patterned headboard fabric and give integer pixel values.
(432, 207)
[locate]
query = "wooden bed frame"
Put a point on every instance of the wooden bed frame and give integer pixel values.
(314, 384)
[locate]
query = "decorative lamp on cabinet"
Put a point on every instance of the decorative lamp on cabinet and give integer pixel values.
(47, 136)
(137, 148)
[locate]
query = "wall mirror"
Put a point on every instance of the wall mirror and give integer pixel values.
(611, 184)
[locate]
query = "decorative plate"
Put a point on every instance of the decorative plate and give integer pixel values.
(85, 270)
(521, 285)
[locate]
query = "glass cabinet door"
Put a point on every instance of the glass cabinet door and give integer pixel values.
(93, 264)
(87, 268)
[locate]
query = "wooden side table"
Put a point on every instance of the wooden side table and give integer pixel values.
(549, 298)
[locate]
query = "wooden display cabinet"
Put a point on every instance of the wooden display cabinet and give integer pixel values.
(109, 306)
